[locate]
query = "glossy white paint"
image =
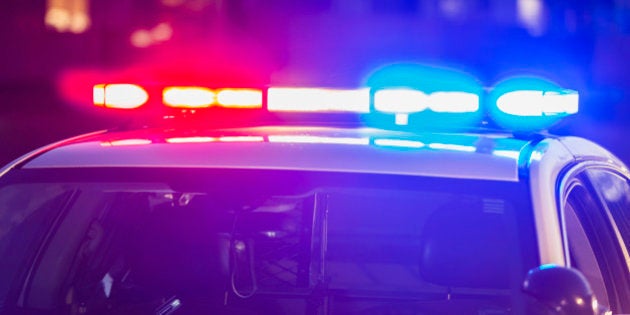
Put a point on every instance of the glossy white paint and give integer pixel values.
(30, 155)
(548, 159)
(585, 150)
(319, 149)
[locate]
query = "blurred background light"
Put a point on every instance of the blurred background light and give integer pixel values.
(453, 9)
(162, 32)
(143, 38)
(173, 3)
(531, 15)
(68, 15)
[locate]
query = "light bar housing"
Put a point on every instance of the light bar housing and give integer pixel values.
(515, 104)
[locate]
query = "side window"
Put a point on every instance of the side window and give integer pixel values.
(614, 191)
(582, 248)
(592, 245)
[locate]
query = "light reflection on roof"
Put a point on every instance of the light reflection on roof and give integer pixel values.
(362, 150)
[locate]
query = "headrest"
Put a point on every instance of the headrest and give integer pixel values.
(465, 245)
(179, 247)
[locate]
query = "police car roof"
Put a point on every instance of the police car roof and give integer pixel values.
(336, 149)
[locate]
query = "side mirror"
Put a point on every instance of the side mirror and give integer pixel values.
(562, 291)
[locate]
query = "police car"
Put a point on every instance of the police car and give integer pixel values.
(227, 204)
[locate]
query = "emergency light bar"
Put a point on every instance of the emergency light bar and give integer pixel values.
(511, 106)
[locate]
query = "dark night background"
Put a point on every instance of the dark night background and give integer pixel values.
(53, 51)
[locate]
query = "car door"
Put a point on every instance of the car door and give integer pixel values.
(593, 237)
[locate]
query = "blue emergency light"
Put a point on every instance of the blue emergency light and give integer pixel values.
(530, 103)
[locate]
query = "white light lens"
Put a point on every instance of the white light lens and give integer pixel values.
(454, 102)
(240, 98)
(188, 97)
(318, 100)
(400, 101)
(98, 95)
(538, 103)
(124, 96)
(561, 103)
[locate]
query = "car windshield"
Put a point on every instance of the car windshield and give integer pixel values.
(199, 241)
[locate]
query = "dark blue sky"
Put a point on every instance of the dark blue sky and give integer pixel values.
(583, 45)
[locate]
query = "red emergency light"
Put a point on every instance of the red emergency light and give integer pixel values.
(125, 96)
